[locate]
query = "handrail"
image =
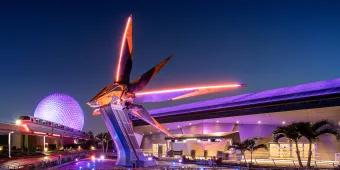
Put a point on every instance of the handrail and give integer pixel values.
(292, 163)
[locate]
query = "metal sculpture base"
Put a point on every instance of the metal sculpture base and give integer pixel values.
(119, 126)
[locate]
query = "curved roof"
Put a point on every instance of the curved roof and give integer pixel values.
(314, 89)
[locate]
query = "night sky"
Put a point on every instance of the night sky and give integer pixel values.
(71, 46)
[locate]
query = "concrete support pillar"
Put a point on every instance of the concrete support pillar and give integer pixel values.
(25, 143)
(62, 141)
(167, 145)
(44, 143)
(9, 144)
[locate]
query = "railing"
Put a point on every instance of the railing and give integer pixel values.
(294, 163)
(47, 161)
(13, 165)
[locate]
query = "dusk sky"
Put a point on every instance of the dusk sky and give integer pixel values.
(71, 46)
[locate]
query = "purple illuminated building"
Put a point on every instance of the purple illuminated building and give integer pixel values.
(236, 118)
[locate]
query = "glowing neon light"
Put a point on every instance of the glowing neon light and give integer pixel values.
(26, 127)
(18, 122)
(56, 135)
(39, 133)
(96, 112)
(122, 48)
(191, 88)
(93, 157)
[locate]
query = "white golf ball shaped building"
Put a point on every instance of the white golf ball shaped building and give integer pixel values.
(62, 109)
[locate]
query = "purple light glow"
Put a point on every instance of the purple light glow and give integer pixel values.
(62, 109)
(286, 93)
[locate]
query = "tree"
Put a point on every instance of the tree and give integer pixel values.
(241, 147)
(248, 145)
(104, 139)
(290, 132)
(253, 146)
(107, 139)
(101, 138)
(91, 141)
(312, 131)
(91, 137)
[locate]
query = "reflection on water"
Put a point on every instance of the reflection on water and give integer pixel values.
(107, 164)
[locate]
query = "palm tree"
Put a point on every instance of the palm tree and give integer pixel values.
(290, 132)
(101, 138)
(107, 139)
(312, 131)
(104, 139)
(91, 141)
(241, 146)
(253, 146)
(248, 145)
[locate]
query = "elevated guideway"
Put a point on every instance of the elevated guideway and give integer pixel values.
(30, 125)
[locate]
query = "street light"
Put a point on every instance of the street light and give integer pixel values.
(18, 122)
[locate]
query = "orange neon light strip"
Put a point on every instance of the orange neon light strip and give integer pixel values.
(26, 127)
(191, 88)
(96, 112)
(122, 48)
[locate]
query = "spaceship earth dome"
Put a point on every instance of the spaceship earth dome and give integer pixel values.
(61, 108)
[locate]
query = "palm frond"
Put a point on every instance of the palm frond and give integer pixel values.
(332, 131)
(259, 146)
(236, 146)
(288, 131)
(305, 129)
(249, 142)
(279, 130)
(319, 124)
(277, 137)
